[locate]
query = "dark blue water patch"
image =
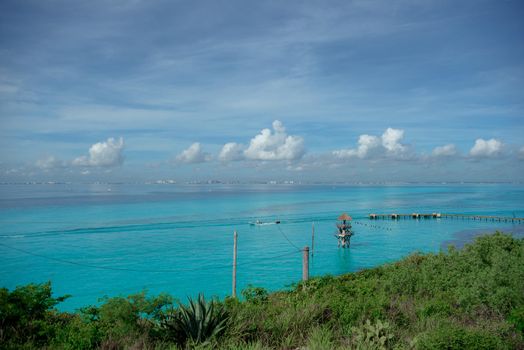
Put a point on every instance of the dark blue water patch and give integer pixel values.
(103, 199)
(463, 237)
(126, 228)
(188, 224)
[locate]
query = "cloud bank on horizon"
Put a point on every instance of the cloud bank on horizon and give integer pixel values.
(277, 145)
(328, 91)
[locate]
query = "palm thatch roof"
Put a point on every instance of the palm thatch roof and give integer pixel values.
(344, 217)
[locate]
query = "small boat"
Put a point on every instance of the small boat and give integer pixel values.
(260, 223)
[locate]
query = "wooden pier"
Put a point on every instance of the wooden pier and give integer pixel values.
(395, 216)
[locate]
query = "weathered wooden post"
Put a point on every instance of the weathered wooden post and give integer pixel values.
(312, 239)
(305, 264)
(235, 235)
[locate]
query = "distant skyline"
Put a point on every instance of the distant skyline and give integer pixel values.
(255, 91)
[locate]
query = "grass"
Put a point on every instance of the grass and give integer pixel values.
(460, 299)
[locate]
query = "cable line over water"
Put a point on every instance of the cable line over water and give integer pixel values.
(287, 238)
(64, 261)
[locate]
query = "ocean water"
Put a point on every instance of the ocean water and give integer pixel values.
(101, 240)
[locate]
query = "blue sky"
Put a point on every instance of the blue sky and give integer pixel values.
(315, 91)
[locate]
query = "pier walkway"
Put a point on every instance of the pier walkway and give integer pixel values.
(395, 216)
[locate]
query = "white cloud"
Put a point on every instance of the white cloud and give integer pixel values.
(193, 154)
(103, 154)
(49, 162)
(366, 145)
(486, 148)
(231, 151)
(391, 141)
(370, 145)
(445, 151)
(521, 153)
(276, 145)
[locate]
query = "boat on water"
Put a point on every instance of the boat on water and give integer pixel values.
(261, 223)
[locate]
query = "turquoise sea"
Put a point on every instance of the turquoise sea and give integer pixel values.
(93, 240)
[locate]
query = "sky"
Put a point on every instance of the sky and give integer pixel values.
(353, 91)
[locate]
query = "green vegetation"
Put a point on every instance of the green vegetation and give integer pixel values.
(461, 299)
(196, 323)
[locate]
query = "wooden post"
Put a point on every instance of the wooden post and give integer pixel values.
(312, 239)
(235, 235)
(305, 264)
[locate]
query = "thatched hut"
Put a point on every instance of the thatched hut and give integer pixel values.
(344, 231)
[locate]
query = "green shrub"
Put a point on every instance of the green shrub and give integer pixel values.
(77, 334)
(516, 317)
(436, 307)
(457, 337)
(122, 320)
(254, 294)
(27, 315)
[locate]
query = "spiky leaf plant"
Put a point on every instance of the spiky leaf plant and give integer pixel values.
(197, 322)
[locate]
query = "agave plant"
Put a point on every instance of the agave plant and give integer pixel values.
(198, 322)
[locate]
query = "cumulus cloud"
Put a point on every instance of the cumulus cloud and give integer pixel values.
(366, 145)
(49, 162)
(391, 141)
(103, 154)
(448, 150)
(193, 154)
(486, 148)
(369, 145)
(231, 151)
(275, 145)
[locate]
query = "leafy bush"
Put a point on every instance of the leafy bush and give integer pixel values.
(124, 320)
(27, 315)
(460, 338)
(254, 294)
(77, 334)
(436, 307)
(119, 322)
(516, 317)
